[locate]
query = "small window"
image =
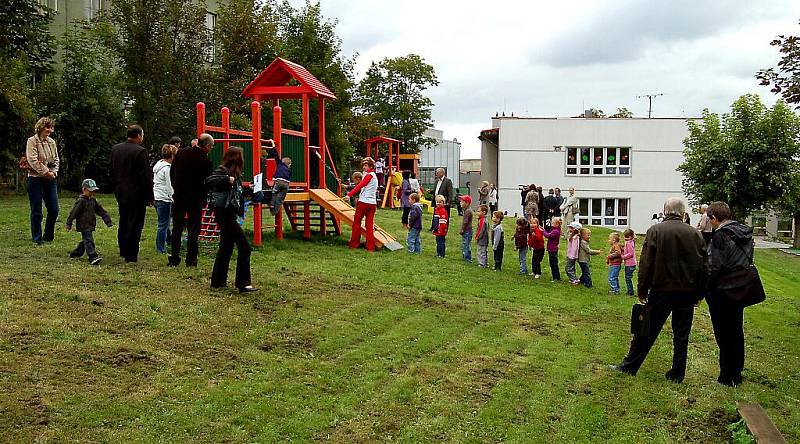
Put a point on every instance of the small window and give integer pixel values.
(598, 161)
(572, 157)
(624, 156)
(585, 156)
(598, 157)
(611, 156)
(604, 212)
(597, 207)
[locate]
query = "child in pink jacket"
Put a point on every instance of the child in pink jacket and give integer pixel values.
(629, 259)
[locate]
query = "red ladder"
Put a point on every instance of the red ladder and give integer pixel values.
(209, 230)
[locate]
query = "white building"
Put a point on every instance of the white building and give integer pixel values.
(443, 154)
(623, 169)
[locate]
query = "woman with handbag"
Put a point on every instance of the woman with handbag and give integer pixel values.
(226, 197)
(733, 285)
(41, 154)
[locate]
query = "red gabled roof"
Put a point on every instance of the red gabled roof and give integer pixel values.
(272, 82)
(381, 139)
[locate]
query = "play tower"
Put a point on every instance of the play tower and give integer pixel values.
(313, 202)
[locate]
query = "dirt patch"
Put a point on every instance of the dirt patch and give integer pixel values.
(538, 327)
(39, 411)
(123, 357)
(289, 342)
(23, 340)
(485, 374)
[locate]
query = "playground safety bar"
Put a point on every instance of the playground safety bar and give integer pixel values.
(293, 133)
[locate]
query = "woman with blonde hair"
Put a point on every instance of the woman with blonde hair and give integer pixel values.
(41, 154)
(366, 206)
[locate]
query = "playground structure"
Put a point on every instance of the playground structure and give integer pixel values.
(396, 163)
(313, 201)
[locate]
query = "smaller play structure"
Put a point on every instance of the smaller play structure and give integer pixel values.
(313, 201)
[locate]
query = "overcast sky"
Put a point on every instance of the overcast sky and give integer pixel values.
(542, 58)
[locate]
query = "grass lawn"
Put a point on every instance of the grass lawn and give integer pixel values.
(346, 346)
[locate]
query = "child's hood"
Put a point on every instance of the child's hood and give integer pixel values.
(160, 165)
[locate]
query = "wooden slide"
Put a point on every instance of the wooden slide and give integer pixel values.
(345, 213)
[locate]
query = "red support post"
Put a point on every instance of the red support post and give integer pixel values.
(307, 146)
(255, 107)
(226, 128)
(323, 152)
(276, 136)
(201, 118)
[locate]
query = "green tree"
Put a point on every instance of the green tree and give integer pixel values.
(165, 54)
(85, 98)
(789, 202)
(622, 113)
(785, 78)
(746, 158)
(24, 33)
(393, 92)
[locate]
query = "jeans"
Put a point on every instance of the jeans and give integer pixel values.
(86, 245)
(523, 260)
(536, 261)
(40, 189)
(586, 274)
(613, 277)
(129, 233)
(552, 257)
(571, 270)
(230, 234)
(727, 318)
(441, 246)
(466, 245)
(483, 255)
(629, 269)
(185, 214)
(414, 244)
(660, 306)
(164, 211)
(279, 190)
(364, 210)
(498, 257)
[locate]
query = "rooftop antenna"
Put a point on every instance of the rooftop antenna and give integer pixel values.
(650, 98)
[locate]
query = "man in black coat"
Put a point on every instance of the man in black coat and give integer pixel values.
(134, 190)
(551, 205)
(672, 276)
(188, 172)
(444, 187)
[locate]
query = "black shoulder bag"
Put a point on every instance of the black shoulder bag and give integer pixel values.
(744, 285)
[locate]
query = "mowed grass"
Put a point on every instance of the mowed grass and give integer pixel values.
(346, 346)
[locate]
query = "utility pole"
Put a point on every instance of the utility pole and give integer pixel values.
(650, 102)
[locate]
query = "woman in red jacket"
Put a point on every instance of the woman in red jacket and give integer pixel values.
(366, 206)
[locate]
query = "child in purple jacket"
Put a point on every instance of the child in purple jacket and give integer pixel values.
(553, 238)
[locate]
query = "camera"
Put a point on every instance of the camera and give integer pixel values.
(51, 165)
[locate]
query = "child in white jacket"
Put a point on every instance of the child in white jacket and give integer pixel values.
(162, 193)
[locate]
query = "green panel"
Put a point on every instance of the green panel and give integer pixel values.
(218, 151)
(294, 147)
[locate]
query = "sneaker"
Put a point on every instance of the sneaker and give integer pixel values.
(95, 260)
(612, 292)
(537, 276)
(74, 255)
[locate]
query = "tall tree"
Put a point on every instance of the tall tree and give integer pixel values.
(789, 202)
(746, 158)
(622, 113)
(785, 78)
(393, 92)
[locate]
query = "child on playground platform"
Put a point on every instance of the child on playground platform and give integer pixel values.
(482, 236)
(83, 213)
(614, 261)
(536, 242)
(439, 227)
(466, 228)
(573, 245)
(521, 243)
(414, 224)
(553, 236)
(629, 258)
(498, 243)
(281, 179)
(583, 257)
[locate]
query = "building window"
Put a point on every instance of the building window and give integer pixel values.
(598, 161)
(93, 7)
(211, 24)
(52, 4)
(427, 175)
(759, 224)
(606, 212)
(784, 226)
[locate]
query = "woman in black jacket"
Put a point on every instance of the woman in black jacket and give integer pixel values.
(225, 185)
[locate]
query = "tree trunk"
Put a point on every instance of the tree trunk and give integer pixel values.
(796, 242)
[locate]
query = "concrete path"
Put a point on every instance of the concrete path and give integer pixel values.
(760, 243)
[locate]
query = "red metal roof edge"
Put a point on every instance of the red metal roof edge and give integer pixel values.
(297, 72)
(380, 139)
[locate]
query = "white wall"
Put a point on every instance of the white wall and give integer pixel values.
(526, 155)
(445, 153)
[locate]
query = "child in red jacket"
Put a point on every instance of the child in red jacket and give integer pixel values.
(439, 227)
(536, 242)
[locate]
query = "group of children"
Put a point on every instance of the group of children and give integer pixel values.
(529, 235)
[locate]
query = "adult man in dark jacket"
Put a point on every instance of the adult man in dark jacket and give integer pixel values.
(189, 170)
(551, 205)
(672, 278)
(134, 190)
(731, 250)
(444, 187)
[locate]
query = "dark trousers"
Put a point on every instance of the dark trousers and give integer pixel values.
(230, 233)
(552, 257)
(727, 319)
(86, 245)
(498, 257)
(586, 274)
(536, 261)
(129, 233)
(404, 217)
(659, 308)
(441, 246)
(40, 189)
(185, 215)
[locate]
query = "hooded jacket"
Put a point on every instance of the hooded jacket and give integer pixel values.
(83, 214)
(673, 260)
(731, 250)
(162, 185)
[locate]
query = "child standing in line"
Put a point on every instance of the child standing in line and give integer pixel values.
(498, 243)
(536, 242)
(482, 236)
(83, 213)
(553, 236)
(466, 229)
(521, 244)
(162, 192)
(629, 256)
(414, 224)
(614, 261)
(439, 227)
(583, 258)
(573, 245)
